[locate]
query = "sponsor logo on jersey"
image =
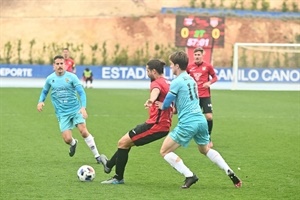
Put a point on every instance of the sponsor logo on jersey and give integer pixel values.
(197, 76)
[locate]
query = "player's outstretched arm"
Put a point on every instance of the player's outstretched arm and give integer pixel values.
(153, 96)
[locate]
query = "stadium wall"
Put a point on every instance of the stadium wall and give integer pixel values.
(128, 77)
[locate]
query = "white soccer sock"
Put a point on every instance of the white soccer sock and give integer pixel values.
(177, 163)
(216, 158)
(91, 144)
(73, 142)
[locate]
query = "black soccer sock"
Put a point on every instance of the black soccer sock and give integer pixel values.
(112, 162)
(210, 126)
(121, 163)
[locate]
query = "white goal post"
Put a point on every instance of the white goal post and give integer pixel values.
(283, 57)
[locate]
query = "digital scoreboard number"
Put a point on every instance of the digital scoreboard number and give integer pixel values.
(200, 31)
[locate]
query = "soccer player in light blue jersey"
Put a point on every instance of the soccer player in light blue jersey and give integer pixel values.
(191, 123)
(69, 110)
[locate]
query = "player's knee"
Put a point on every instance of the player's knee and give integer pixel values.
(83, 130)
(67, 139)
(123, 144)
(203, 152)
(67, 136)
(203, 149)
(163, 152)
(84, 133)
(208, 116)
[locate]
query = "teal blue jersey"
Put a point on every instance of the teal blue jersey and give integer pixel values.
(191, 121)
(184, 88)
(64, 93)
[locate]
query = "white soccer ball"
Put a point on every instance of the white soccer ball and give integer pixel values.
(86, 173)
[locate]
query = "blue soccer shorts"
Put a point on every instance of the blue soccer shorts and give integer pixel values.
(68, 122)
(183, 133)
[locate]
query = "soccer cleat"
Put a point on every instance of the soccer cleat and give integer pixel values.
(189, 181)
(236, 181)
(73, 148)
(98, 159)
(104, 162)
(113, 181)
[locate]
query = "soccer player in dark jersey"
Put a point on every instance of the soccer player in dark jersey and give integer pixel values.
(69, 62)
(156, 126)
(204, 75)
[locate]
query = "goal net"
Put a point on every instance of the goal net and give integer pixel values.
(264, 66)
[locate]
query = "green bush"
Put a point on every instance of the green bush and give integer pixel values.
(284, 6)
(193, 3)
(96, 54)
(265, 5)
(295, 7)
(203, 3)
(254, 4)
(234, 4)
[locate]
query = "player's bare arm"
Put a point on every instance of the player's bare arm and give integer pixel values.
(153, 96)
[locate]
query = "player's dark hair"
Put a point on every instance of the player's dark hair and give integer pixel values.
(58, 57)
(180, 58)
(156, 64)
(198, 49)
(66, 48)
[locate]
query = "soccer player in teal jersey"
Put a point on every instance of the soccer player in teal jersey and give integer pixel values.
(191, 123)
(69, 110)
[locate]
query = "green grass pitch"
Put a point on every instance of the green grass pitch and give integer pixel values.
(256, 131)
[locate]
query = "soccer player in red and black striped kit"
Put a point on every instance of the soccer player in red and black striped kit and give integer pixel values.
(156, 126)
(204, 75)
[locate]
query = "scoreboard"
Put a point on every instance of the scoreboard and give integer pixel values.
(199, 31)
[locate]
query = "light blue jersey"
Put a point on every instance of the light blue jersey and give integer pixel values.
(64, 98)
(191, 121)
(187, 101)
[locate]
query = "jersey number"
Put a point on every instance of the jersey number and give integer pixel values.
(192, 91)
